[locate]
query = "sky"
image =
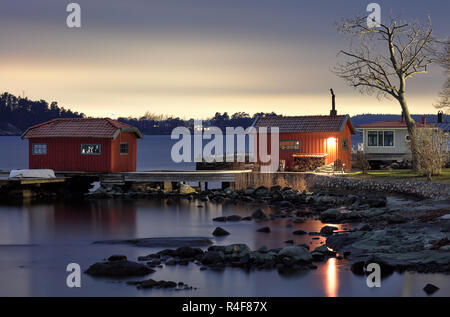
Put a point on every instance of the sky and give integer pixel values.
(192, 58)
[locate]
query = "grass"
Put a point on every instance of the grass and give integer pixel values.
(402, 174)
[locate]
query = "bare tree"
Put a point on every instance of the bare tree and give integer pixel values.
(383, 58)
(444, 94)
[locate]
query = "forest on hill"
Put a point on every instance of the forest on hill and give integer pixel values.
(17, 114)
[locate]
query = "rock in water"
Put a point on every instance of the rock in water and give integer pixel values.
(117, 258)
(259, 214)
(264, 229)
(220, 219)
(219, 232)
(294, 254)
(234, 218)
(118, 268)
(299, 232)
(430, 289)
(328, 230)
(186, 189)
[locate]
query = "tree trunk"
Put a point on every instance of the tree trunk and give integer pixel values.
(411, 125)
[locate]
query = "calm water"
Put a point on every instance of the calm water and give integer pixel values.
(37, 241)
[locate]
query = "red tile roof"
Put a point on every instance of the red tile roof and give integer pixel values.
(390, 124)
(306, 123)
(80, 128)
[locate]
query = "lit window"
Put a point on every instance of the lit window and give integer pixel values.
(90, 149)
(39, 149)
(124, 148)
(290, 145)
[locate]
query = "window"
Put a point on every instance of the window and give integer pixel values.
(39, 149)
(344, 144)
(290, 145)
(372, 138)
(388, 138)
(91, 149)
(124, 148)
(380, 138)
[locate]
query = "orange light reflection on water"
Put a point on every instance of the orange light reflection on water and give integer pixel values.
(331, 278)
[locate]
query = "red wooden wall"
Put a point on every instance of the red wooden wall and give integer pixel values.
(316, 143)
(64, 154)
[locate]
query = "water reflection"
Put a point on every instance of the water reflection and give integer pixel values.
(331, 280)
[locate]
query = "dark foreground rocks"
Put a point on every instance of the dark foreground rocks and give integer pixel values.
(412, 247)
(150, 283)
(239, 255)
(118, 267)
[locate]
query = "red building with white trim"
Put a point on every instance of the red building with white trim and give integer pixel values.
(83, 144)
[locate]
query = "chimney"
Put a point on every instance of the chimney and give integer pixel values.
(424, 120)
(403, 118)
(333, 111)
(440, 118)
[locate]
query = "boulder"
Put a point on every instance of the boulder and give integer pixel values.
(430, 289)
(118, 268)
(259, 214)
(220, 219)
(219, 232)
(249, 191)
(264, 229)
(292, 254)
(234, 218)
(186, 189)
(117, 258)
(299, 232)
(376, 202)
(212, 257)
(261, 191)
(328, 230)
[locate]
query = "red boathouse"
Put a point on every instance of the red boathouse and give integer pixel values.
(83, 144)
(308, 142)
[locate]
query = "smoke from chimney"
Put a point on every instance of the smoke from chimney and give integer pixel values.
(333, 111)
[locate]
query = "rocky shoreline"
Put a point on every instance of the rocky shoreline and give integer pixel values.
(412, 235)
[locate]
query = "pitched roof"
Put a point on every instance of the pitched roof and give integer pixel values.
(391, 124)
(104, 128)
(306, 123)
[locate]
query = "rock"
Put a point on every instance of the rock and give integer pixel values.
(248, 218)
(264, 229)
(276, 196)
(289, 241)
(259, 214)
(261, 191)
(219, 232)
(118, 268)
(299, 232)
(262, 249)
(275, 188)
(330, 215)
(220, 219)
(117, 258)
(324, 250)
(212, 257)
(286, 204)
(186, 189)
(298, 220)
(430, 289)
(155, 284)
(188, 252)
(317, 256)
(249, 191)
(234, 218)
(376, 202)
(328, 230)
(292, 254)
(445, 217)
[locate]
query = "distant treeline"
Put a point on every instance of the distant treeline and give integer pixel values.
(17, 114)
